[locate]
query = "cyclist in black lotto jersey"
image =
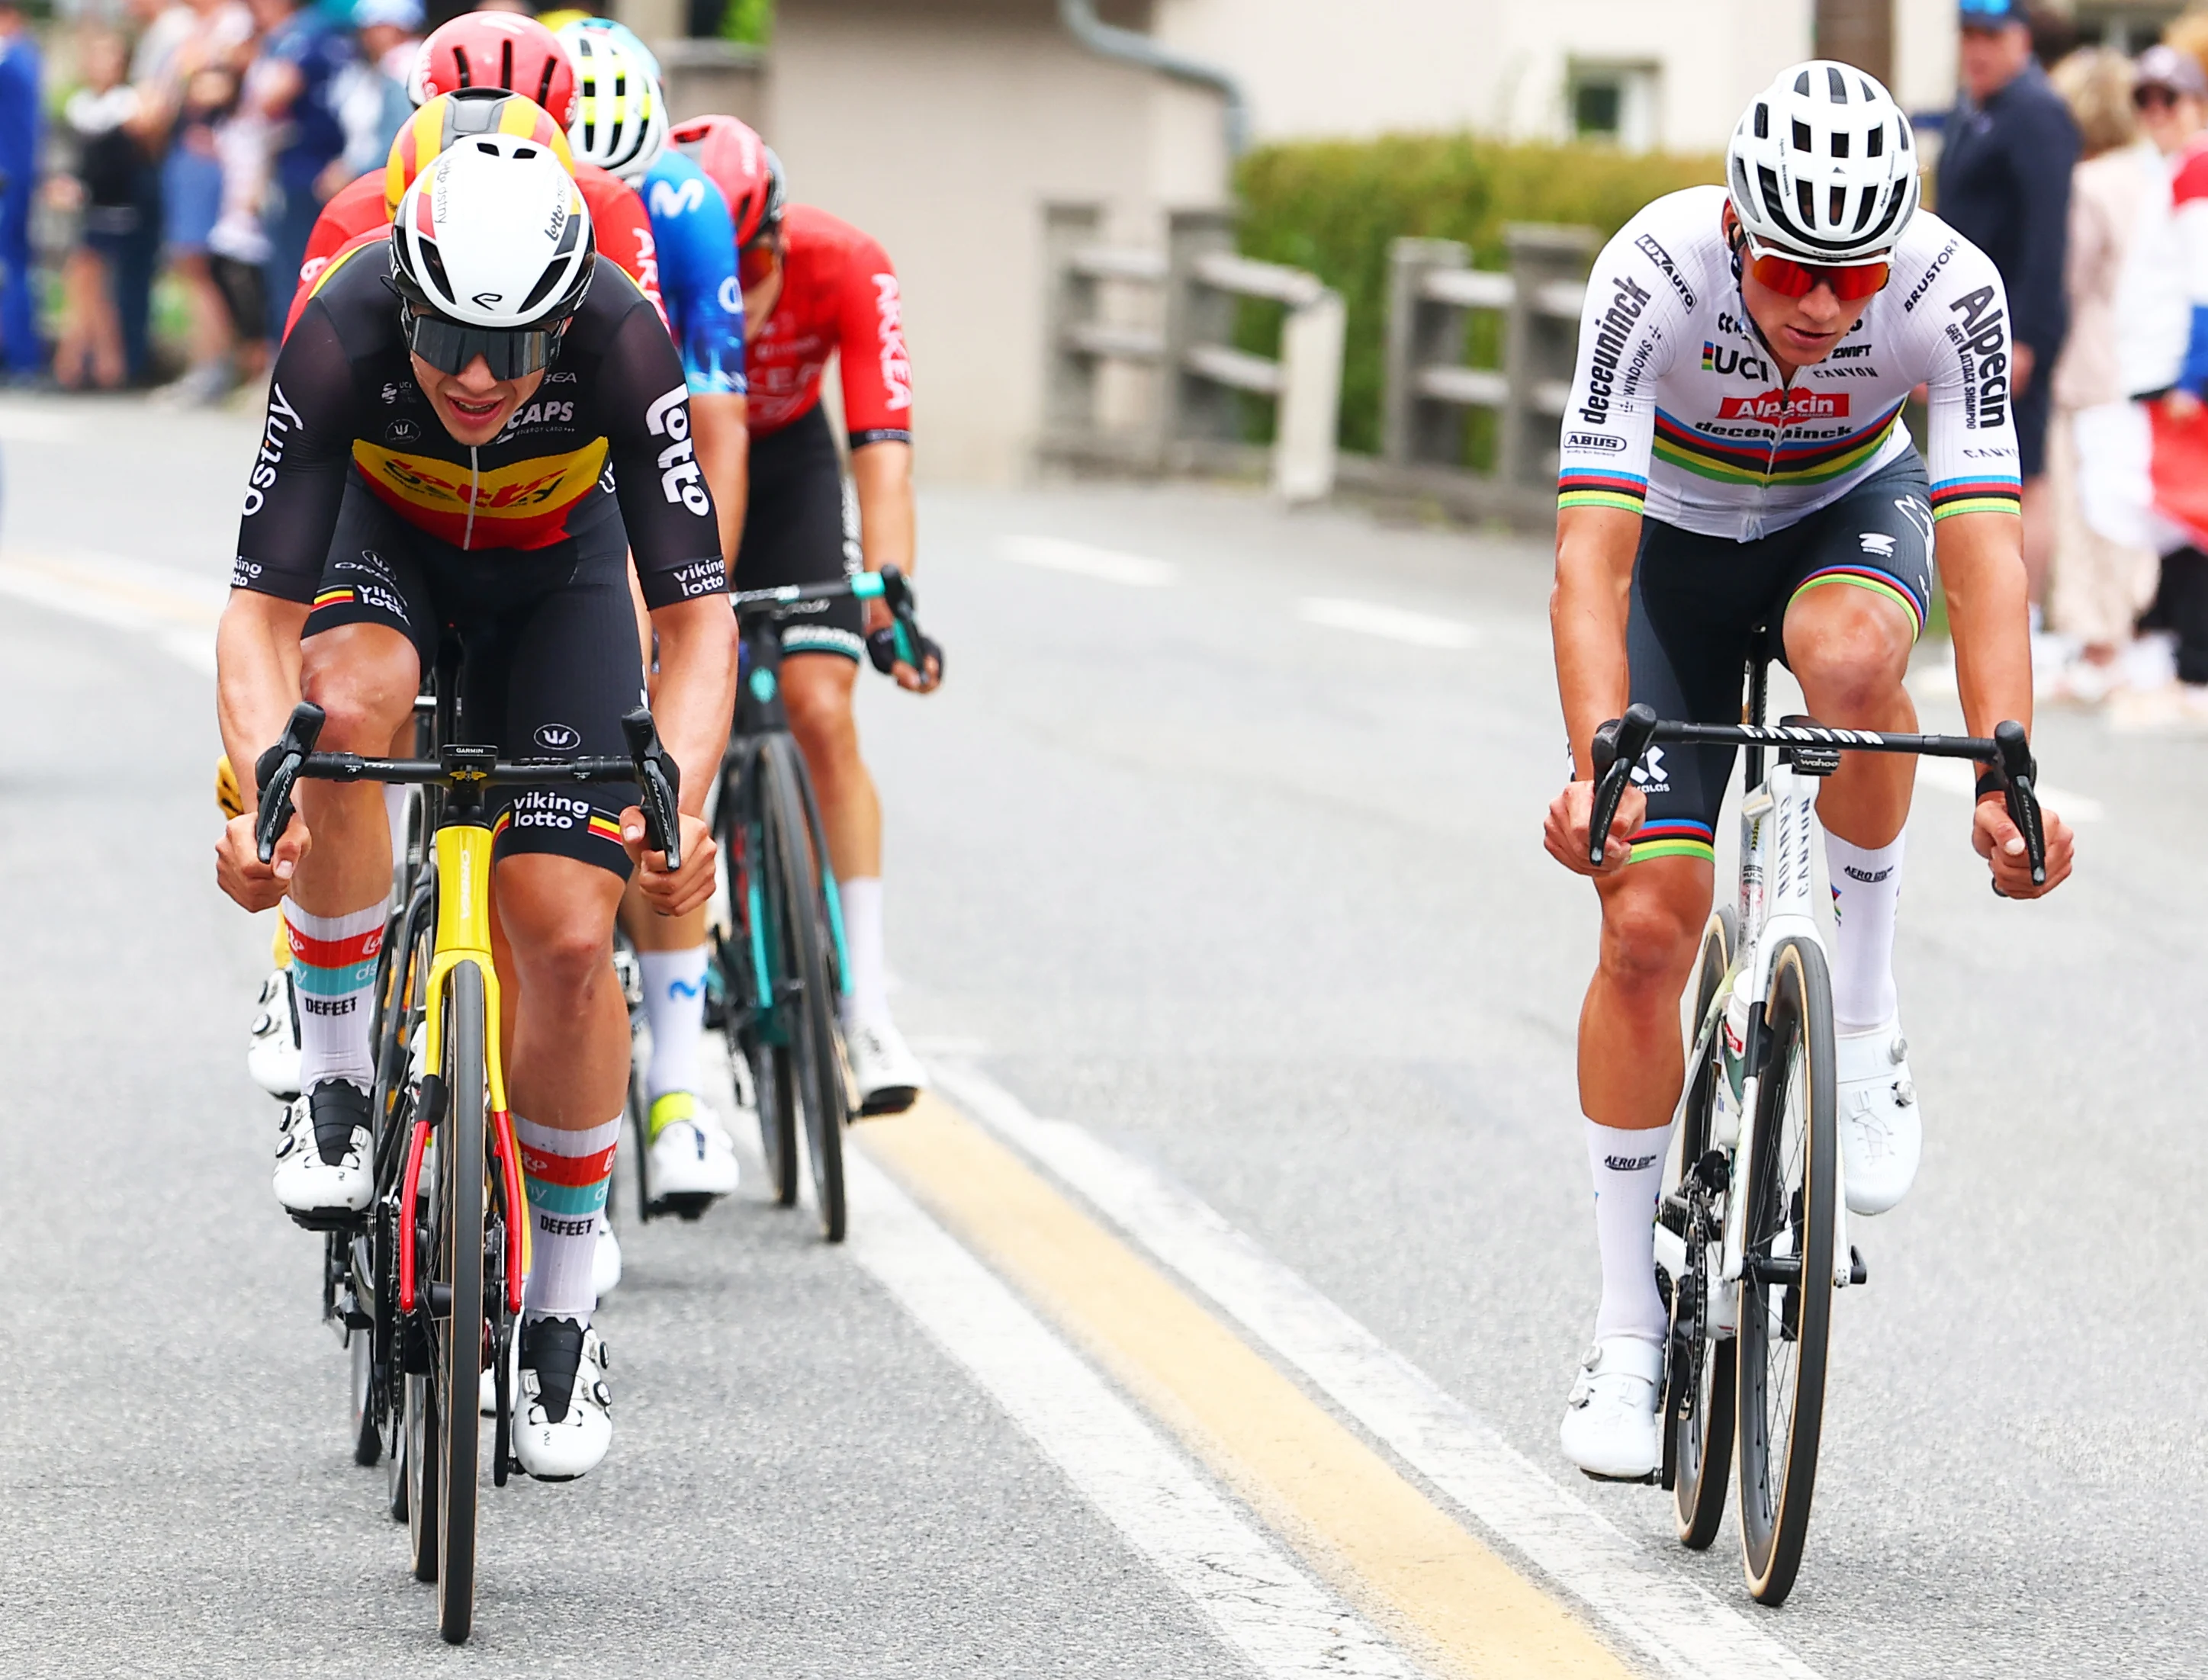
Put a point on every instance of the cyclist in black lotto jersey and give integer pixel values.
(468, 430)
(1734, 466)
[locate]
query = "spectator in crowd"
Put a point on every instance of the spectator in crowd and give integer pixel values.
(2004, 184)
(107, 281)
(217, 37)
(371, 102)
(19, 77)
(289, 88)
(2127, 308)
(240, 254)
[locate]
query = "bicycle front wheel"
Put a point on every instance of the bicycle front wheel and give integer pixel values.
(456, 1244)
(1787, 1283)
(806, 983)
(1698, 1410)
(741, 942)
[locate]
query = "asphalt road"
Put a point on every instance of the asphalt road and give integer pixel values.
(1221, 843)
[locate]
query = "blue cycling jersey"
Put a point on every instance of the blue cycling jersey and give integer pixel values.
(696, 241)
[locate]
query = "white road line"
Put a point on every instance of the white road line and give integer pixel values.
(1056, 554)
(1396, 624)
(178, 624)
(1676, 1624)
(33, 424)
(1955, 776)
(1260, 1602)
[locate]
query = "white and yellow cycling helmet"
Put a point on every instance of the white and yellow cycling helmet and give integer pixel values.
(621, 115)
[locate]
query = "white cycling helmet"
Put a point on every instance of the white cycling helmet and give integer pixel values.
(621, 34)
(1822, 165)
(621, 115)
(493, 240)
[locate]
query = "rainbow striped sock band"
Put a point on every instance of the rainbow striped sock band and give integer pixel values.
(1877, 582)
(1674, 836)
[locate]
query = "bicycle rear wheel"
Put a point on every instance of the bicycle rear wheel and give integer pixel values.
(1698, 1411)
(800, 915)
(1786, 1284)
(458, 1247)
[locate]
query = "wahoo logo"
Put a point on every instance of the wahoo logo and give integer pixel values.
(559, 737)
(1630, 1163)
(1786, 408)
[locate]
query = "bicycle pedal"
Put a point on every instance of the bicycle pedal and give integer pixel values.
(326, 1220)
(682, 1207)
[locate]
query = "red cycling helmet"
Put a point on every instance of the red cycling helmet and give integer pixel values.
(742, 166)
(496, 49)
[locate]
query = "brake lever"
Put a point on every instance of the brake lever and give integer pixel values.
(2019, 775)
(659, 781)
(276, 772)
(1617, 747)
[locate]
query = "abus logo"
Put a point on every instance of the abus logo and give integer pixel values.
(1784, 408)
(1602, 440)
(558, 737)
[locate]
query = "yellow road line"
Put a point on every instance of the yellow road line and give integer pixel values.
(162, 604)
(1381, 1539)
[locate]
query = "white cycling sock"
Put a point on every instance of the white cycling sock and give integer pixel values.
(333, 969)
(675, 1005)
(1866, 890)
(1629, 1172)
(394, 818)
(566, 1175)
(862, 950)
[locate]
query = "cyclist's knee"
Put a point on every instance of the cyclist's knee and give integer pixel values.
(1849, 648)
(364, 677)
(558, 914)
(1650, 927)
(817, 692)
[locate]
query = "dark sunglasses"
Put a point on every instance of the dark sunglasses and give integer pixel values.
(2152, 98)
(511, 353)
(1791, 277)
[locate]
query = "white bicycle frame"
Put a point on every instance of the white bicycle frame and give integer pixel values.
(1780, 839)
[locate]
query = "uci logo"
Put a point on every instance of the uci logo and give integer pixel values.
(558, 737)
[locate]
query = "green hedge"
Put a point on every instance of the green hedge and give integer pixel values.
(1333, 208)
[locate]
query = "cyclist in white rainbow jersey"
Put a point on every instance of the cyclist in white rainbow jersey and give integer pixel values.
(1735, 473)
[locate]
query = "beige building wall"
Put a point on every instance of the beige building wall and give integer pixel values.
(942, 130)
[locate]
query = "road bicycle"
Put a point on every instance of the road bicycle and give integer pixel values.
(776, 965)
(426, 1287)
(1751, 1230)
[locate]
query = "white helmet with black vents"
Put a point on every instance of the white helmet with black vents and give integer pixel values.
(620, 113)
(1823, 166)
(494, 235)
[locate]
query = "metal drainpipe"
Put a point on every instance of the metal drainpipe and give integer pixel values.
(1131, 46)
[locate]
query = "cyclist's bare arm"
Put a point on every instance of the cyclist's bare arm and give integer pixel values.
(888, 527)
(256, 685)
(1587, 611)
(1981, 558)
(695, 697)
(719, 421)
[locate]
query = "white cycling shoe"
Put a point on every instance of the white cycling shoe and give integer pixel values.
(1882, 1128)
(889, 1075)
(271, 1050)
(562, 1428)
(1611, 1429)
(692, 1154)
(311, 1185)
(605, 1260)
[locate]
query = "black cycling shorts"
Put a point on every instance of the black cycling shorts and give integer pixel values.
(799, 529)
(1703, 604)
(550, 661)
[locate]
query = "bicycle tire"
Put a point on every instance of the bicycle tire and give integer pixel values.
(1699, 1395)
(394, 1462)
(422, 1456)
(1790, 1182)
(747, 1014)
(801, 918)
(459, 1248)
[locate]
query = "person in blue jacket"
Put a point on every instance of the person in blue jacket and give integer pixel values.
(2004, 184)
(20, 70)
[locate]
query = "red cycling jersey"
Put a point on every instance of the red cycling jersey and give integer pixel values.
(838, 293)
(618, 223)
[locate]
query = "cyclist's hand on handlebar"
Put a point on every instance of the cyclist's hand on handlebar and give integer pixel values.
(688, 887)
(239, 872)
(1998, 842)
(1565, 833)
(882, 648)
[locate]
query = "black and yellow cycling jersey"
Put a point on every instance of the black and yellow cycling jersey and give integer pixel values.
(609, 424)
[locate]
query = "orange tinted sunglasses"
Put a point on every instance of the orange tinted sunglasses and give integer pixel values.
(1789, 277)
